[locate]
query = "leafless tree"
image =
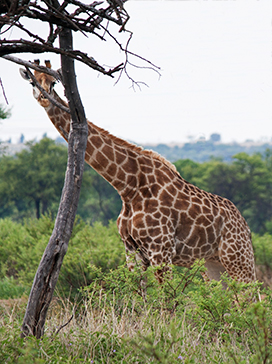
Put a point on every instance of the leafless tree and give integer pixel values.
(62, 19)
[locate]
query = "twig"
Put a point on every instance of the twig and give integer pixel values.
(62, 326)
(3, 90)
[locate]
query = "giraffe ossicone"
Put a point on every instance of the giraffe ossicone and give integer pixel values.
(164, 219)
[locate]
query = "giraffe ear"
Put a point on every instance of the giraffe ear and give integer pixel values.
(24, 74)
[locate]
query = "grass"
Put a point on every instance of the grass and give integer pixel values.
(200, 323)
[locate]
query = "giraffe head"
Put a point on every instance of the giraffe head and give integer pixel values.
(46, 81)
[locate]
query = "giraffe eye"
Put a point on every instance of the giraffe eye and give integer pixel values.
(52, 85)
(32, 83)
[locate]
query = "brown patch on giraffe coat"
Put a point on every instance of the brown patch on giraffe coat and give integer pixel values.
(121, 175)
(151, 179)
(150, 205)
(206, 210)
(157, 215)
(181, 204)
(155, 188)
(165, 211)
(131, 180)
(158, 164)
(142, 180)
(108, 151)
(120, 157)
(153, 232)
(170, 189)
(102, 160)
(112, 169)
(144, 161)
(210, 233)
(163, 178)
(132, 154)
(166, 199)
(218, 223)
(142, 233)
(164, 220)
(138, 205)
(90, 148)
(138, 221)
(165, 230)
(96, 141)
(145, 192)
(130, 166)
(194, 211)
(196, 200)
(184, 227)
(97, 166)
(202, 220)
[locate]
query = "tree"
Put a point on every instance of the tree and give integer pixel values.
(61, 22)
(34, 177)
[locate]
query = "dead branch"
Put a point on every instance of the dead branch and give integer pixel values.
(34, 66)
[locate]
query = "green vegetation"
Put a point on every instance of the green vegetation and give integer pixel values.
(31, 183)
(4, 112)
(111, 319)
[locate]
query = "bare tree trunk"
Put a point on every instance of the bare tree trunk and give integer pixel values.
(48, 271)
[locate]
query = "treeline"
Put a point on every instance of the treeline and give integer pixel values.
(32, 180)
(203, 150)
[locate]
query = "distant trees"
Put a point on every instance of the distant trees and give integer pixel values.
(215, 138)
(31, 183)
(33, 179)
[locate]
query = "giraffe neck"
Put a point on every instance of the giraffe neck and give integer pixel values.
(125, 166)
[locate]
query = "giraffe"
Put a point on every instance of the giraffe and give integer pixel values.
(164, 219)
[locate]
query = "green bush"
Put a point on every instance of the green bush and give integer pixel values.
(9, 288)
(22, 246)
(263, 249)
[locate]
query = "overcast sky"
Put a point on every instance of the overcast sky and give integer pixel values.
(215, 64)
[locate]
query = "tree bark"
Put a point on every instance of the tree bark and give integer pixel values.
(48, 271)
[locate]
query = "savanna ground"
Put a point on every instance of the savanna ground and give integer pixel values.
(101, 315)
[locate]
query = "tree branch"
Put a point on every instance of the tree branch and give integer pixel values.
(34, 66)
(24, 46)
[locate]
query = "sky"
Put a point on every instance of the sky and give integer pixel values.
(215, 59)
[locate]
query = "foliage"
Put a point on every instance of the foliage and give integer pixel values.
(22, 246)
(99, 201)
(127, 317)
(4, 113)
(31, 183)
(34, 177)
